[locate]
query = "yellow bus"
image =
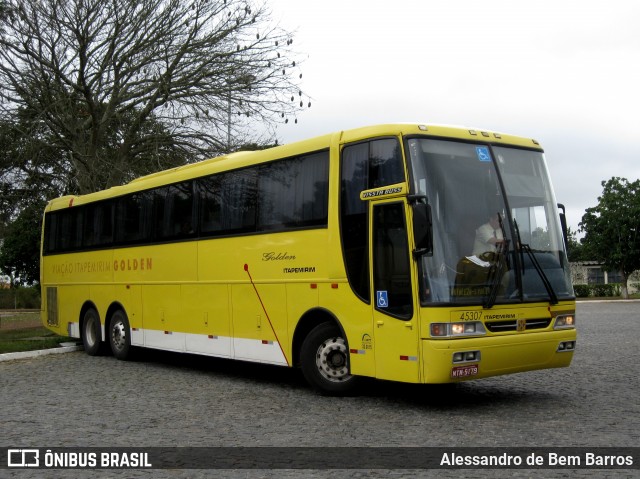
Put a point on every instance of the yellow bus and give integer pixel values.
(359, 253)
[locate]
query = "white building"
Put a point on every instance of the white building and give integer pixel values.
(592, 272)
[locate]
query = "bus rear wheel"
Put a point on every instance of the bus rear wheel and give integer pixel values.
(324, 358)
(91, 333)
(120, 335)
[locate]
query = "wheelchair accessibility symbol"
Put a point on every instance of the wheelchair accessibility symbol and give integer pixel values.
(483, 153)
(383, 300)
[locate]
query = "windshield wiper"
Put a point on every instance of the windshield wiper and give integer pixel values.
(497, 269)
(495, 274)
(553, 297)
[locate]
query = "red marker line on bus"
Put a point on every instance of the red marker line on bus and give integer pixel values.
(246, 268)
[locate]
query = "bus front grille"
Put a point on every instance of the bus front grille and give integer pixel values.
(506, 326)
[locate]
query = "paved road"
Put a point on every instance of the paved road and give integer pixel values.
(177, 400)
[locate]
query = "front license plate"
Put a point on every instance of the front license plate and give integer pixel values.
(464, 371)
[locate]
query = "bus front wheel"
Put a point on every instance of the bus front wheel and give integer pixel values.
(91, 333)
(120, 335)
(324, 359)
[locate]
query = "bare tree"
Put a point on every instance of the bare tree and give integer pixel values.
(111, 84)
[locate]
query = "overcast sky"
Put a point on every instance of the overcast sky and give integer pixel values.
(565, 72)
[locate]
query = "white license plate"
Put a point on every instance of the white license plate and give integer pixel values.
(464, 371)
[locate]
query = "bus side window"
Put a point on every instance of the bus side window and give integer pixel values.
(70, 229)
(132, 219)
(353, 217)
(173, 211)
(98, 226)
(293, 193)
(51, 233)
(240, 197)
(385, 163)
(180, 204)
(210, 194)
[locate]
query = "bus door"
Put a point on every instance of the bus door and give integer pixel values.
(395, 322)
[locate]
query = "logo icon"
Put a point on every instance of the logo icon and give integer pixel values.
(23, 457)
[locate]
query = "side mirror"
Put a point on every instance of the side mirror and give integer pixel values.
(422, 229)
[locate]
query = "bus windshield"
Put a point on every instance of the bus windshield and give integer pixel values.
(496, 232)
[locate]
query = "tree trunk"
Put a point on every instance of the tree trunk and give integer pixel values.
(625, 288)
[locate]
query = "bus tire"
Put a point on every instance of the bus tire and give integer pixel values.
(324, 360)
(120, 335)
(91, 332)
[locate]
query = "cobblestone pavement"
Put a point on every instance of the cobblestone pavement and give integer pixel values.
(73, 400)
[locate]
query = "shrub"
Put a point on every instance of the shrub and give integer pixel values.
(606, 290)
(28, 298)
(20, 298)
(582, 290)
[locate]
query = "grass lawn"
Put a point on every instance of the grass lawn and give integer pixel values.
(24, 332)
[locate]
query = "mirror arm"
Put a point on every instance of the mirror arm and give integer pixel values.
(418, 252)
(415, 199)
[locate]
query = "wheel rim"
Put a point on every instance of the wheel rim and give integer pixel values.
(332, 360)
(118, 335)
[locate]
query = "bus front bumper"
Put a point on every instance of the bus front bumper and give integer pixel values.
(456, 360)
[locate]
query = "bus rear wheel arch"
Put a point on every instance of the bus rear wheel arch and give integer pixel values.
(324, 360)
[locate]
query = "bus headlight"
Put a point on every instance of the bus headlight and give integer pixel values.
(565, 321)
(448, 330)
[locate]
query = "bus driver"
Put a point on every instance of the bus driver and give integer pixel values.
(488, 236)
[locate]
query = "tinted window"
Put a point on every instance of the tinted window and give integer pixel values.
(294, 192)
(132, 218)
(228, 202)
(391, 266)
(353, 216)
(70, 229)
(173, 209)
(210, 197)
(98, 224)
(50, 232)
(385, 163)
(364, 166)
(239, 193)
(280, 195)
